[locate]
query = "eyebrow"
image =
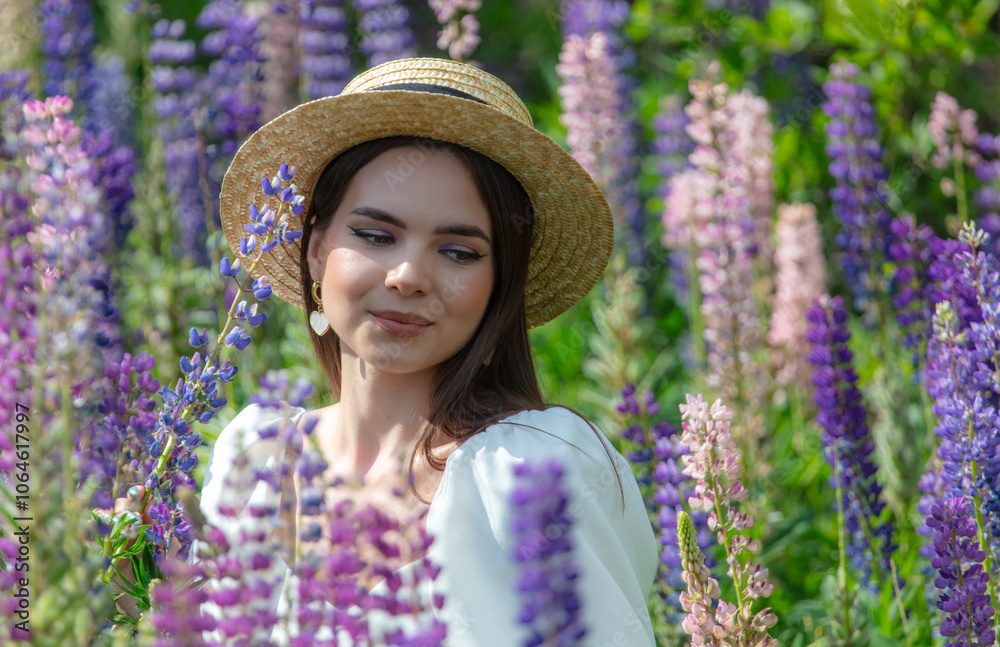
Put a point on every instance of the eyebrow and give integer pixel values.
(457, 230)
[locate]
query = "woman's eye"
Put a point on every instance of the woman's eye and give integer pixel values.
(377, 238)
(462, 255)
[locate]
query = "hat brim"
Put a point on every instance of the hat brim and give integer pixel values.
(573, 229)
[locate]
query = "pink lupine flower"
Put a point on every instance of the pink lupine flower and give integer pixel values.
(953, 132)
(714, 463)
(723, 209)
(800, 280)
(590, 95)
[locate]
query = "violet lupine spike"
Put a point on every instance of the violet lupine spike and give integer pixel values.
(657, 463)
(671, 146)
(13, 93)
(550, 606)
(987, 197)
(800, 280)
(234, 79)
(279, 31)
(385, 25)
(714, 462)
(176, 100)
(67, 31)
(859, 198)
(325, 48)
(911, 254)
(962, 580)
(18, 299)
(78, 303)
(596, 93)
(981, 273)
(847, 439)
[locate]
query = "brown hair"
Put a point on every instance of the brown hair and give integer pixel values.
(469, 395)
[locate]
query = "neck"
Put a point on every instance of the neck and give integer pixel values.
(379, 416)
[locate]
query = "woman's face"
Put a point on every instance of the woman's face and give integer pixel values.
(410, 241)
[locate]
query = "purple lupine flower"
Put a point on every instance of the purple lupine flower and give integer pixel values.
(113, 168)
(846, 438)
(911, 254)
(78, 310)
(13, 93)
(800, 280)
(987, 172)
(17, 307)
(714, 462)
(233, 82)
(665, 488)
(458, 37)
(603, 129)
(968, 613)
(672, 146)
(325, 48)
(385, 25)
(859, 195)
(542, 525)
(67, 31)
(176, 102)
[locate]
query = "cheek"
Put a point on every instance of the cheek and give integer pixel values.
(348, 273)
(473, 294)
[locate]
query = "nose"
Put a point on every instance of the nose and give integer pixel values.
(410, 276)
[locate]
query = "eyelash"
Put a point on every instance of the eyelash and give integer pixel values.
(369, 238)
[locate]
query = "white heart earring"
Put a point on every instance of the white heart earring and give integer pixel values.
(317, 318)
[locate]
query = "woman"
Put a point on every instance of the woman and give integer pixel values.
(440, 226)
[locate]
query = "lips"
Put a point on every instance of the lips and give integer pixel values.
(401, 324)
(401, 317)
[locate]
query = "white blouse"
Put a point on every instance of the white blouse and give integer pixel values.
(470, 518)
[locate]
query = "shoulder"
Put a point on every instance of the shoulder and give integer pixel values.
(483, 466)
(555, 432)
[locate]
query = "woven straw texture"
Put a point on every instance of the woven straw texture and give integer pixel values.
(572, 233)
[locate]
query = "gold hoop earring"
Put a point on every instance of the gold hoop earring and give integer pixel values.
(317, 318)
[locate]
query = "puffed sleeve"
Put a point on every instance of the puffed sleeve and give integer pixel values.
(614, 546)
(230, 486)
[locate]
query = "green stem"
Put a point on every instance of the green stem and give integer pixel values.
(846, 601)
(963, 208)
(899, 602)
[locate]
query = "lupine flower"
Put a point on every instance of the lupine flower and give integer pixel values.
(657, 463)
(968, 614)
(602, 129)
(730, 194)
(386, 28)
(702, 589)
(953, 132)
(550, 606)
(713, 461)
(279, 29)
(325, 48)
(233, 82)
(912, 256)
(859, 195)
(13, 93)
(68, 38)
(459, 37)
(846, 437)
(671, 146)
(175, 102)
(112, 170)
(800, 280)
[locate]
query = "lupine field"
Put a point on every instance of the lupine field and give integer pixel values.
(796, 345)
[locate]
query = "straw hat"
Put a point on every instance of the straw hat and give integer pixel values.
(572, 231)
